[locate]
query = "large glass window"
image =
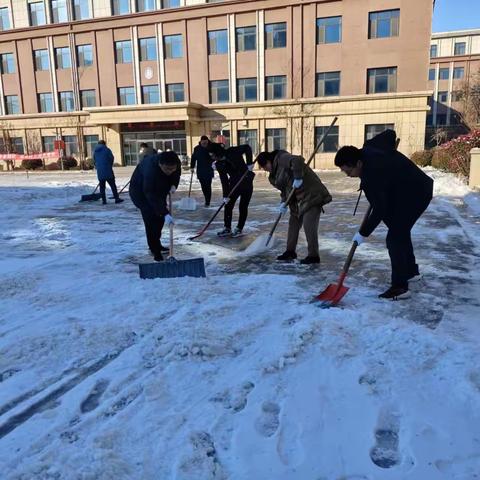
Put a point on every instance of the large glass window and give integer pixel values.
(66, 101)
(41, 60)
(249, 137)
(148, 49)
(81, 10)
(217, 42)
(175, 92)
(275, 87)
(275, 35)
(433, 51)
(219, 91)
(120, 7)
(173, 46)
(247, 89)
(442, 97)
(458, 73)
(375, 129)
(150, 94)
(170, 3)
(45, 102)
(330, 144)
(48, 143)
(85, 55)
(126, 96)
(59, 11)
(145, 5)
(460, 48)
(91, 142)
(328, 84)
(444, 73)
(329, 30)
(276, 139)
(4, 19)
(384, 24)
(17, 145)
(71, 145)
(12, 106)
(214, 134)
(36, 12)
(123, 51)
(62, 57)
(7, 62)
(246, 38)
(88, 98)
(382, 80)
(431, 74)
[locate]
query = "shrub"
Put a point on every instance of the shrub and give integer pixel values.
(441, 159)
(423, 158)
(68, 163)
(52, 166)
(458, 151)
(32, 164)
(87, 164)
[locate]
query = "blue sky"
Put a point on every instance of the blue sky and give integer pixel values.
(456, 15)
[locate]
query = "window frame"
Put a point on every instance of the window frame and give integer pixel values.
(443, 70)
(463, 46)
(169, 44)
(62, 55)
(5, 19)
(170, 90)
(270, 36)
(147, 49)
(325, 80)
(270, 82)
(47, 99)
(242, 141)
(55, 9)
(7, 60)
(124, 94)
(84, 104)
(81, 55)
(155, 89)
(213, 42)
(9, 103)
(393, 20)
(383, 127)
(391, 75)
(271, 140)
(434, 48)
(322, 26)
(455, 73)
(66, 99)
(120, 49)
(242, 87)
(116, 7)
(241, 34)
(215, 86)
(78, 6)
(34, 14)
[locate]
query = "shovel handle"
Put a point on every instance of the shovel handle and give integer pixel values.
(171, 225)
(190, 188)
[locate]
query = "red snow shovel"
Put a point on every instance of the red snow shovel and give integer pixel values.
(332, 295)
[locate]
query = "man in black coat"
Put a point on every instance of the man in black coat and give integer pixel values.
(201, 159)
(232, 166)
(153, 179)
(398, 192)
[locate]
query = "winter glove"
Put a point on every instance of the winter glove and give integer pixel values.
(226, 200)
(173, 189)
(282, 208)
(214, 166)
(169, 220)
(298, 182)
(359, 238)
(251, 167)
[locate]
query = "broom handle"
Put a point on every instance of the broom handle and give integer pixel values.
(98, 184)
(171, 225)
(124, 187)
(287, 201)
(191, 180)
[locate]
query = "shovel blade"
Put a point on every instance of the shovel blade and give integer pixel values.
(172, 268)
(187, 203)
(332, 295)
(91, 197)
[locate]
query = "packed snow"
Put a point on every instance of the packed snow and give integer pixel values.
(236, 376)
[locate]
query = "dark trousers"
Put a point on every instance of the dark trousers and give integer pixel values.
(111, 182)
(153, 229)
(400, 247)
(245, 195)
(206, 184)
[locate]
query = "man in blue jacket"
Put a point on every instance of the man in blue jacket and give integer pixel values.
(201, 159)
(153, 179)
(103, 159)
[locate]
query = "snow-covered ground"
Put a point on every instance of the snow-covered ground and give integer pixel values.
(236, 376)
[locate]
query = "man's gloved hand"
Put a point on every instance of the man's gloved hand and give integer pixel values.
(173, 189)
(282, 208)
(169, 220)
(359, 238)
(251, 167)
(214, 166)
(226, 200)
(298, 182)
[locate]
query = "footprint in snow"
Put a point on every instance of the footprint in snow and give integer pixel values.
(268, 421)
(385, 453)
(236, 398)
(93, 399)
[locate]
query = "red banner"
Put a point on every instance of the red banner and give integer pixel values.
(30, 156)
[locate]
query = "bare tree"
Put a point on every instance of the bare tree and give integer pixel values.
(469, 95)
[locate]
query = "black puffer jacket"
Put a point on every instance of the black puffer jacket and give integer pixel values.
(232, 167)
(201, 159)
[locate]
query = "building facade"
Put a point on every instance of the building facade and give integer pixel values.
(454, 63)
(272, 73)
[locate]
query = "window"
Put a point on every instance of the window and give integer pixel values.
(433, 51)
(173, 46)
(249, 137)
(12, 107)
(170, 3)
(48, 143)
(81, 10)
(246, 39)
(247, 89)
(145, 5)
(120, 7)
(382, 80)
(444, 73)
(384, 24)
(219, 91)
(276, 87)
(17, 145)
(59, 11)
(276, 138)
(71, 145)
(45, 102)
(148, 49)
(36, 12)
(84, 55)
(330, 144)
(175, 92)
(460, 48)
(275, 35)
(431, 74)
(328, 84)
(126, 96)
(4, 19)
(123, 51)
(91, 142)
(329, 30)
(217, 42)
(66, 102)
(150, 94)
(458, 73)
(87, 98)
(41, 60)
(224, 133)
(443, 97)
(375, 129)
(7, 63)
(62, 57)
(457, 96)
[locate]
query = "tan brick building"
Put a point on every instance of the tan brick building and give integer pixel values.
(267, 72)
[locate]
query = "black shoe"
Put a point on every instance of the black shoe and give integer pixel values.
(237, 233)
(118, 200)
(310, 260)
(158, 257)
(287, 256)
(226, 232)
(164, 249)
(206, 205)
(395, 293)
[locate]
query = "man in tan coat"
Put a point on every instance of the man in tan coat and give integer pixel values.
(289, 172)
